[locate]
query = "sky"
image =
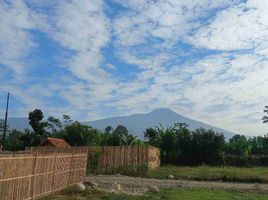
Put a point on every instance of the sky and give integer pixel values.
(92, 59)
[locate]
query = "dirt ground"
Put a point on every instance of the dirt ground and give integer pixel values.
(138, 186)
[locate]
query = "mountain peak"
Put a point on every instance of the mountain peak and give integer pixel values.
(162, 110)
(136, 124)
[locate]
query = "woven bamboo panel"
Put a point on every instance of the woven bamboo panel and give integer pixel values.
(153, 157)
(33, 175)
(116, 156)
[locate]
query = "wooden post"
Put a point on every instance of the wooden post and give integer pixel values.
(34, 171)
(54, 172)
(70, 172)
(5, 123)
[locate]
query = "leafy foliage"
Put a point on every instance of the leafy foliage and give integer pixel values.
(239, 145)
(265, 118)
(178, 145)
(75, 133)
(118, 136)
(54, 124)
(35, 120)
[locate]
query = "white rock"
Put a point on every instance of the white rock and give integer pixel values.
(171, 176)
(117, 187)
(118, 174)
(80, 187)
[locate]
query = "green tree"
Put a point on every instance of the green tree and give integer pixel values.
(67, 120)
(30, 138)
(265, 118)
(108, 130)
(167, 143)
(1, 129)
(2, 125)
(2, 122)
(259, 145)
(54, 124)
(184, 143)
(35, 120)
(121, 130)
(152, 136)
(239, 145)
(14, 142)
(77, 134)
(120, 135)
(127, 140)
(207, 147)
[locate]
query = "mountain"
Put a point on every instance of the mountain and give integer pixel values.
(136, 124)
(18, 123)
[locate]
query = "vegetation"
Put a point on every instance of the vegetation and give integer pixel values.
(206, 173)
(265, 118)
(128, 170)
(75, 133)
(179, 194)
(178, 145)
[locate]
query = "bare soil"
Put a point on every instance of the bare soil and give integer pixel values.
(138, 186)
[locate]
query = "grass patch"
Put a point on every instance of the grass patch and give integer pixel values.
(128, 170)
(179, 194)
(227, 174)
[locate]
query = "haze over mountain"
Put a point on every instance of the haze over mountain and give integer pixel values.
(136, 124)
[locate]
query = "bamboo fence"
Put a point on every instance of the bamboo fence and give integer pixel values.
(117, 156)
(26, 176)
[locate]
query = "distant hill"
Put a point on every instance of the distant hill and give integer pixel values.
(18, 123)
(136, 124)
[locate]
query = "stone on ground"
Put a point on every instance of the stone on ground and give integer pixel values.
(117, 187)
(171, 176)
(118, 174)
(80, 187)
(153, 189)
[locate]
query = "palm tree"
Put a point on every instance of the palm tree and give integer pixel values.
(127, 139)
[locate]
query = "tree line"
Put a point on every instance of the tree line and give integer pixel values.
(178, 144)
(75, 133)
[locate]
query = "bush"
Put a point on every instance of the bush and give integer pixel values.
(94, 158)
(245, 161)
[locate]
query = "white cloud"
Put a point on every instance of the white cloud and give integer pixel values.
(168, 20)
(16, 42)
(82, 27)
(236, 28)
(229, 84)
(226, 89)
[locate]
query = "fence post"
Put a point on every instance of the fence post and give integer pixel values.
(70, 170)
(34, 171)
(138, 157)
(54, 172)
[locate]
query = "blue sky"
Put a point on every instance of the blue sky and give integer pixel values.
(91, 59)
